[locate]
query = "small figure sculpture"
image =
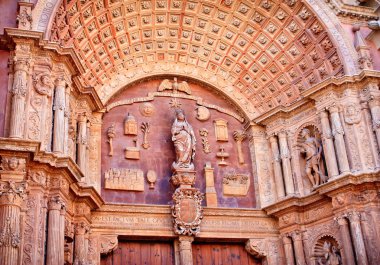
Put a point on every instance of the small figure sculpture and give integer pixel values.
(175, 86)
(184, 141)
(312, 148)
(331, 255)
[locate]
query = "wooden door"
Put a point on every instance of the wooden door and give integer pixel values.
(222, 254)
(141, 253)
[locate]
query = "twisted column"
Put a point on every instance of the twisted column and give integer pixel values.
(12, 195)
(59, 116)
(18, 92)
(288, 248)
(344, 230)
(298, 247)
(328, 145)
(277, 167)
(286, 167)
(338, 132)
(55, 238)
(185, 250)
(357, 238)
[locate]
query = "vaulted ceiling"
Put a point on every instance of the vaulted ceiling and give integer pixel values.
(269, 51)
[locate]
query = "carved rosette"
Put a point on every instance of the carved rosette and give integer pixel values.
(187, 211)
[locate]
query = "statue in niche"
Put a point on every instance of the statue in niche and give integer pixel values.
(313, 150)
(184, 141)
(331, 255)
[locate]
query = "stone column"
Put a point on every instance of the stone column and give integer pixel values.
(340, 146)
(55, 238)
(185, 250)
(328, 145)
(286, 167)
(357, 238)
(80, 244)
(374, 106)
(298, 248)
(277, 167)
(67, 117)
(288, 248)
(59, 116)
(348, 253)
(62, 233)
(18, 92)
(12, 195)
(82, 142)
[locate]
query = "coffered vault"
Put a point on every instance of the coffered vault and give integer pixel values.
(262, 54)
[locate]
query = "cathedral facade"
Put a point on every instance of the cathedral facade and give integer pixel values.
(189, 132)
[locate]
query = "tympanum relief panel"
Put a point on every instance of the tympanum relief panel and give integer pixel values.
(137, 135)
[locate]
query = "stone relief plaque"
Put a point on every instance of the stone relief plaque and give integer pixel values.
(130, 125)
(236, 184)
(221, 130)
(124, 179)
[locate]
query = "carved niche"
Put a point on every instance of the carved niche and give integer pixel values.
(236, 184)
(187, 211)
(130, 125)
(221, 130)
(124, 179)
(327, 251)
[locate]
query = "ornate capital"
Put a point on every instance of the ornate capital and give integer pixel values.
(354, 217)
(12, 193)
(81, 228)
(60, 82)
(239, 136)
(12, 168)
(56, 203)
(253, 248)
(341, 220)
(296, 235)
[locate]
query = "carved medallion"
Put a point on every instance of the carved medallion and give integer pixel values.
(147, 109)
(352, 113)
(203, 113)
(187, 211)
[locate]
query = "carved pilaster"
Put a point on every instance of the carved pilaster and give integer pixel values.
(59, 116)
(277, 167)
(288, 247)
(328, 145)
(82, 142)
(338, 132)
(286, 166)
(348, 253)
(55, 238)
(358, 239)
(298, 247)
(80, 253)
(18, 97)
(12, 195)
(185, 250)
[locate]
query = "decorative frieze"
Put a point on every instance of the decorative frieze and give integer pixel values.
(124, 179)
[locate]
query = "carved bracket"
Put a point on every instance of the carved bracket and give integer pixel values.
(253, 248)
(107, 244)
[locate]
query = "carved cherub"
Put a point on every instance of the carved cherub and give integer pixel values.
(175, 86)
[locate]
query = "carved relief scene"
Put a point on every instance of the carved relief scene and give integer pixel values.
(167, 124)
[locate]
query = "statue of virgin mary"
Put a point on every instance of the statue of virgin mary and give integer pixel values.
(184, 141)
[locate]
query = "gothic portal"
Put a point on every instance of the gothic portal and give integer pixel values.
(189, 132)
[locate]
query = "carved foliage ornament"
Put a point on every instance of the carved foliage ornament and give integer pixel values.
(187, 211)
(12, 192)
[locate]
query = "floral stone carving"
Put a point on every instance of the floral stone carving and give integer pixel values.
(187, 211)
(124, 179)
(236, 184)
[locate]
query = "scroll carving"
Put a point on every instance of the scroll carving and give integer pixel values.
(206, 146)
(187, 211)
(124, 179)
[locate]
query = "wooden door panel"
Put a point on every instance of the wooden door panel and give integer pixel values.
(222, 254)
(141, 253)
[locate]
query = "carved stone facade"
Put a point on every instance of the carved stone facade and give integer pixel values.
(250, 124)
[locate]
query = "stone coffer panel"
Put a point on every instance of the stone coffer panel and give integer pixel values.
(161, 154)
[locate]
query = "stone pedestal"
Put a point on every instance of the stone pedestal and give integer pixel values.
(183, 177)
